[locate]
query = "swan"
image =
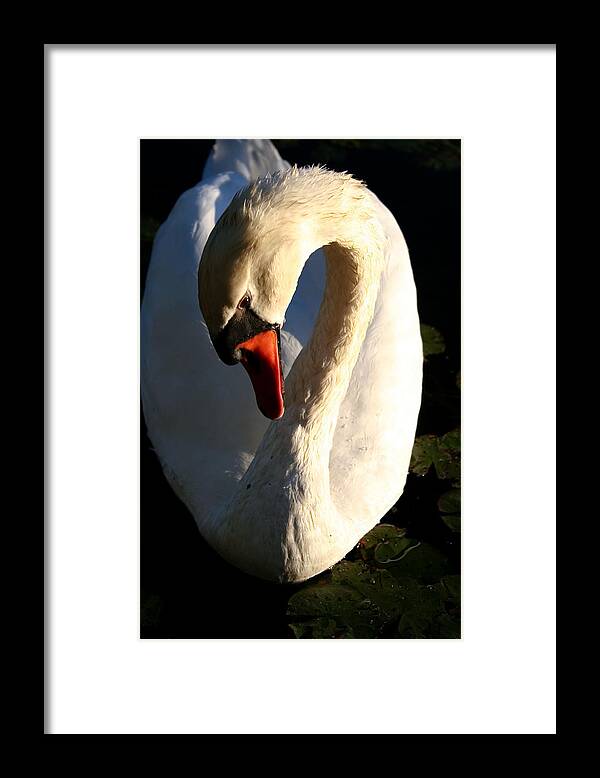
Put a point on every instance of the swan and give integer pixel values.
(302, 276)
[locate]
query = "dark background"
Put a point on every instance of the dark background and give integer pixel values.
(187, 591)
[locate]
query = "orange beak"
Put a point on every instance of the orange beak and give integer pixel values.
(260, 357)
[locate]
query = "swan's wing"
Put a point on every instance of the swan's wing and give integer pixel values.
(249, 158)
(376, 426)
(201, 415)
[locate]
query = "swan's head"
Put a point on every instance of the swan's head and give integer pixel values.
(247, 276)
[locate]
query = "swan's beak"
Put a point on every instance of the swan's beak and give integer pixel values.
(246, 338)
(260, 356)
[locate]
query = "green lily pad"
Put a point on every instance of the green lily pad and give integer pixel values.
(381, 533)
(433, 340)
(379, 587)
(384, 544)
(423, 454)
(353, 614)
(430, 611)
(441, 452)
(451, 440)
(397, 587)
(447, 464)
(423, 562)
(452, 521)
(388, 553)
(449, 502)
(420, 608)
(449, 506)
(357, 600)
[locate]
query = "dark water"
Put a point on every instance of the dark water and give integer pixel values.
(187, 590)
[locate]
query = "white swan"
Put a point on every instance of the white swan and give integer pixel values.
(282, 499)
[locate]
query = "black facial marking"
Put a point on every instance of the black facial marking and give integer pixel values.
(243, 325)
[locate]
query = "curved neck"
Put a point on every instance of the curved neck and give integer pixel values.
(287, 217)
(308, 209)
(319, 379)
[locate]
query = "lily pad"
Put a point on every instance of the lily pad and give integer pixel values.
(379, 587)
(452, 521)
(385, 543)
(423, 606)
(388, 553)
(449, 506)
(353, 614)
(433, 340)
(357, 600)
(451, 440)
(449, 502)
(423, 454)
(381, 533)
(447, 464)
(423, 562)
(441, 452)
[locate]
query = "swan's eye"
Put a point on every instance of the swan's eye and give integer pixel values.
(244, 302)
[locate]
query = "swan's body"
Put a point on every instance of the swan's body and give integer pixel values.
(284, 499)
